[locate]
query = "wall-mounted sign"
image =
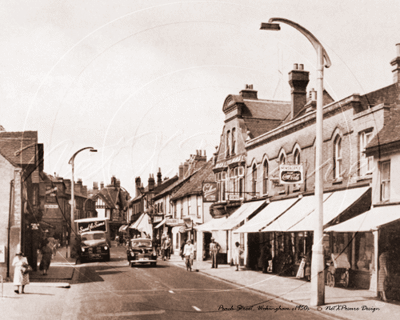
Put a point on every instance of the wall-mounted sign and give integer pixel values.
(233, 197)
(291, 174)
(157, 218)
(209, 191)
(226, 163)
(172, 222)
(51, 206)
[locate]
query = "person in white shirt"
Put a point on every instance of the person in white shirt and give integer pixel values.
(188, 253)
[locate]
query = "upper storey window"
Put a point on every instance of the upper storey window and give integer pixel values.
(233, 147)
(365, 163)
(337, 157)
(228, 143)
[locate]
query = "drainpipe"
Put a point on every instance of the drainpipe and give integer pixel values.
(10, 211)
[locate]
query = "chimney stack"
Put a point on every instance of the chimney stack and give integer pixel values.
(101, 185)
(151, 182)
(78, 186)
(249, 93)
(396, 63)
(159, 177)
(67, 183)
(118, 183)
(95, 186)
(298, 80)
(181, 171)
(138, 185)
(185, 168)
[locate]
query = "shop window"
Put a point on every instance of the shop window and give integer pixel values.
(385, 180)
(365, 163)
(265, 177)
(364, 251)
(337, 157)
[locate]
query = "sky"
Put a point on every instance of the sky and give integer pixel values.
(144, 82)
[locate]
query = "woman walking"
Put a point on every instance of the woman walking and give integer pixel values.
(188, 253)
(46, 258)
(383, 274)
(21, 278)
(237, 251)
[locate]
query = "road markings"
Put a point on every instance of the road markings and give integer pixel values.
(195, 308)
(170, 291)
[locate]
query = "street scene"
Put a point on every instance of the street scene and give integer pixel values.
(199, 160)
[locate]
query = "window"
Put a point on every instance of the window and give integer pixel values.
(385, 180)
(296, 158)
(265, 177)
(254, 180)
(233, 141)
(282, 159)
(228, 143)
(198, 207)
(189, 204)
(337, 157)
(221, 185)
(365, 163)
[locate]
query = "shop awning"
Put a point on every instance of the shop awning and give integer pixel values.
(136, 223)
(160, 224)
(267, 215)
(211, 225)
(144, 225)
(368, 221)
(241, 214)
(334, 206)
(301, 209)
(123, 228)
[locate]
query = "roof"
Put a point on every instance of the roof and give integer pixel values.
(194, 184)
(390, 133)
(19, 148)
(266, 109)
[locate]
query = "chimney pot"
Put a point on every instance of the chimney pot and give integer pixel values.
(398, 50)
(301, 66)
(295, 66)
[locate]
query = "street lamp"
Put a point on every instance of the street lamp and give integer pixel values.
(317, 268)
(72, 228)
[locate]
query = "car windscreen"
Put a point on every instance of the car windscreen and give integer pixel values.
(93, 236)
(140, 243)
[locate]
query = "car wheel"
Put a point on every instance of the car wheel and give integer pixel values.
(154, 264)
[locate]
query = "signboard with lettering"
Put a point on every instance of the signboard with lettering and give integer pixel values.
(291, 174)
(233, 197)
(209, 191)
(172, 222)
(226, 163)
(157, 218)
(91, 226)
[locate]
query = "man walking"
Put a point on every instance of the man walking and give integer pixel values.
(214, 249)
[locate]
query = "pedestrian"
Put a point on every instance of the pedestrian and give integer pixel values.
(383, 274)
(182, 247)
(46, 258)
(214, 250)
(168, 248)
(21, 272)
(266, 256)
(237, 251)
(188, 253)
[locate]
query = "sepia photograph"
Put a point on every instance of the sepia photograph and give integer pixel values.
(195, 159)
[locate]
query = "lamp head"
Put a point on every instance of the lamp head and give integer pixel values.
(270, 26)
(93, 150)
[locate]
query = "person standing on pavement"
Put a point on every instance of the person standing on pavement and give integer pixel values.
(46, 258)
(383, 274)
(168, 248)
(237, 251)
(21, 279)
(188, 253)
(214, 250)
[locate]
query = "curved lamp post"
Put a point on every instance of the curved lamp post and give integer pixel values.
(317, 268)
(72, 228)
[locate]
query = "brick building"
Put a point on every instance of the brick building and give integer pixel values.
(21, 161)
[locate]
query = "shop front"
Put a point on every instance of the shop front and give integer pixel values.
(363, 240)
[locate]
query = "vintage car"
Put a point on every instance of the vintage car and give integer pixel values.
(141, 251)
(94, 246)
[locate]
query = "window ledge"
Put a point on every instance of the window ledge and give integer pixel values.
(338, 180)
(363, 178)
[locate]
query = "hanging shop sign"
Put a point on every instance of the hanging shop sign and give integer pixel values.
(291, 174)
(209, 191)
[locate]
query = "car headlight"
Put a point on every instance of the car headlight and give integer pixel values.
(105, 248)
(83, 249)
(132, 254)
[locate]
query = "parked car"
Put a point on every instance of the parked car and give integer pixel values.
(141, 251)
(94, 246)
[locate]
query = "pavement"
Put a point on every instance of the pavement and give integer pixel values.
(339, 302)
